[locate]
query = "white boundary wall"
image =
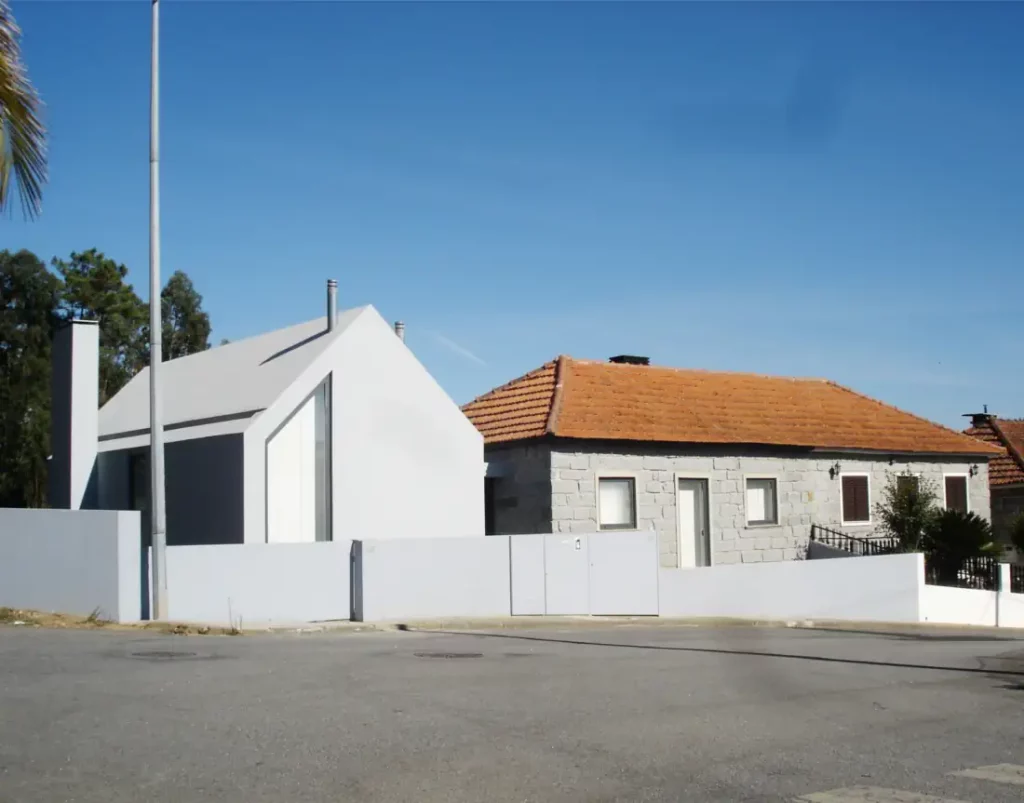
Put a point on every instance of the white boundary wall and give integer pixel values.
(498, 576)
(72, 561)
(421, 578)
(244, 585)
(884, 588)
(1011, 610)
(958, 606)
(966, 606)
(81, 561)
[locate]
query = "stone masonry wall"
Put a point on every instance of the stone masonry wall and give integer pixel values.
(806, 494)
(522, 495)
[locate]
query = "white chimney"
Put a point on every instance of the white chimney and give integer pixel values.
(74, 427)
(332, 304)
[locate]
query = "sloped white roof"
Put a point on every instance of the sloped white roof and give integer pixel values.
(234, 381)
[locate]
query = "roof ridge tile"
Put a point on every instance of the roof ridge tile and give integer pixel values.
(508, 385)
(562, 365)
(709, 371)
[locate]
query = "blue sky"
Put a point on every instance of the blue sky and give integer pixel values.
(812, 189)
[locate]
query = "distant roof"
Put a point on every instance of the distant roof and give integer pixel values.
(1008, 435)
(584, 399)
(233, 381)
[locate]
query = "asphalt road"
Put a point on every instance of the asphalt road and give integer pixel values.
(630, 714)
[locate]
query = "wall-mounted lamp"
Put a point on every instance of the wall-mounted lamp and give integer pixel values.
(834, 471)
(973, 470)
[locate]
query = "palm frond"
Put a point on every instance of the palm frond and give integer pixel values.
(22, 135)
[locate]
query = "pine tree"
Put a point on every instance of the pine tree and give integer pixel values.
(28, 303)
(186, 328)
(95, 288)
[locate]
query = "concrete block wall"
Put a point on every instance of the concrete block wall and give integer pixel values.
(806, 494)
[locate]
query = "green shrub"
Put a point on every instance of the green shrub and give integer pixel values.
(1017, 533)
(952, 537)
(907, 509)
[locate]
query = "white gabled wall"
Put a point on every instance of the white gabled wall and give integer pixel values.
(406, 462)
(291, 479)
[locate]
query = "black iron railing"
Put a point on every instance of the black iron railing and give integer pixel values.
(1017, 579)
(980, 573)
(852, 544)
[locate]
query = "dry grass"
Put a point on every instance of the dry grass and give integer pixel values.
(14, 617)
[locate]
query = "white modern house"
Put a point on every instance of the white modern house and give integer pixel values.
(327, 430)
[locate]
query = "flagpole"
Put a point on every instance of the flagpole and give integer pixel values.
(158, 516)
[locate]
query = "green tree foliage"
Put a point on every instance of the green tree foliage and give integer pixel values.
(95, 288)
(907, 508)
(33, 301)
(22, 135)
(186, 328)
(951, 537)
(1017, 533)
(28, 304)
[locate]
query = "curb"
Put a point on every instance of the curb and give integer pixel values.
(641, 622)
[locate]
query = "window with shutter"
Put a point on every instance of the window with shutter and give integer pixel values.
(956, 493)
(856, 501)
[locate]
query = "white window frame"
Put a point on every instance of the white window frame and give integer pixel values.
(842, 505)
(967, 487)
(746, 513)
(618, 475)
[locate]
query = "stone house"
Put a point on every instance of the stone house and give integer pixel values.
(725, 467)
(1006, 470)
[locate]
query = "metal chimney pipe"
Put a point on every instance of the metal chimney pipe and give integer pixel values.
(332, 304)
(400, 330)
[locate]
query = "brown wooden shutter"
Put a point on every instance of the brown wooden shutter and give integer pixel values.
(956, 493)
(847, 499)
(855, 499)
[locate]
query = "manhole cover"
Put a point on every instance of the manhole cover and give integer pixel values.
(448, 654)
(162, 655)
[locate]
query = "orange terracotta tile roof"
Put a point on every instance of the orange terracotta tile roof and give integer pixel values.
(1008, 435)
(569, 398)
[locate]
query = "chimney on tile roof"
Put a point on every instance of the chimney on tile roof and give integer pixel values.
(629, 359)
(400, 330)
(332, 304)
(980, 419)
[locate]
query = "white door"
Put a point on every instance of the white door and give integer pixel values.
(692, 509)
